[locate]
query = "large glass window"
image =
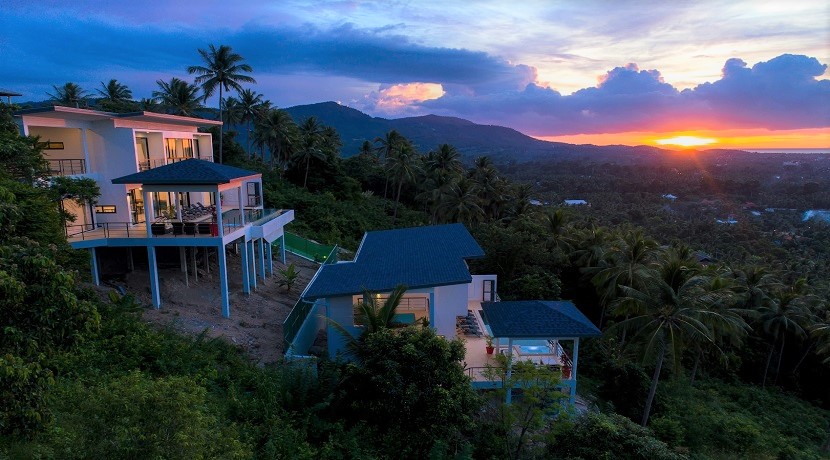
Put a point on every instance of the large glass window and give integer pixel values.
(136, 200)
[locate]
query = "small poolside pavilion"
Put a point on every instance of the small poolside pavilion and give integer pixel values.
(535, 329)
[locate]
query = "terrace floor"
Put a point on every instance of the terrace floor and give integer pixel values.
(476, 358)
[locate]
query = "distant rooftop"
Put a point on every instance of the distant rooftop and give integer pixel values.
(418, 257)
(529, 319)
(7, 93)
(187, 172)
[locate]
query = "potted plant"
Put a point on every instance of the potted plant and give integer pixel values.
(489, 346)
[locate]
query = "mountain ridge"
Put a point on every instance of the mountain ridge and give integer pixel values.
(502, 144)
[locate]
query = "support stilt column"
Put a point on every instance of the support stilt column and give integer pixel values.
(282, 249)
(155, 289)
(252, 263)
(246, 266)
(509, 396)
(573, 371)
(262, 258)
(94, 266)
(270, 259)
(223, 281)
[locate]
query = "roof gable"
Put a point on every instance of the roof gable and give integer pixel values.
(537, 319)
(187, 172)
(417, 257)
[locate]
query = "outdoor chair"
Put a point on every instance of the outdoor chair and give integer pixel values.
(189, 228)
(158, 229)
(177, 228)
(203, 228)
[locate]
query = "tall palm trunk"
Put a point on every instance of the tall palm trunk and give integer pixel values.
(222, 126)
(780, 358)
(397, 200)
(307, 164)
(695, 366)
(766, 368)
(655, 379)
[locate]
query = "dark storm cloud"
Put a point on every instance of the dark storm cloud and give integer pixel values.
(782, 93)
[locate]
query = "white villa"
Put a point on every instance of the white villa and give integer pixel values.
(431, 262)
(160, 191)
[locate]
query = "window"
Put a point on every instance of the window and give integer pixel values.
(187, 148)
(105, 209)
(49, 145)
(170, 147)
(253, 194)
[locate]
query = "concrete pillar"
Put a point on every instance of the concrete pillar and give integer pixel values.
(282, 248)
(270, 259)
(94, 265)
(252, 263)
(262, 258)
(241, 207)
(573, 371)
(432, 309)
(509, 396)
(218, 200)
(155, 289)
(85, 147)
(223, 281)
(207, 262)
(182, 260)
(148, 211)
(246, 265)
(193, 261)
(130, 263)
(177, 202)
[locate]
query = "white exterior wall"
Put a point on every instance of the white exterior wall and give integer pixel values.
(450, 301)
(339, 309)
(113, 154)
(476, 288)
(71, 138)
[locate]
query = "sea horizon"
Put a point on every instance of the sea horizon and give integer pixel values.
(810, 151)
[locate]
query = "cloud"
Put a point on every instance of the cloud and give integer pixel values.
(397, 99)
(782, 93)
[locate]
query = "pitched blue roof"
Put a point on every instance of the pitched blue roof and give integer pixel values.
(537, 319)
(418, 257)
(191, 171)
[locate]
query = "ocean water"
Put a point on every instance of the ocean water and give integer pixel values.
(809, 151)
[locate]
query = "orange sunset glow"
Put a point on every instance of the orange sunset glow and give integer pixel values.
(815, 138)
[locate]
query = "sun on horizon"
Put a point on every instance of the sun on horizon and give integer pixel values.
(686, 141)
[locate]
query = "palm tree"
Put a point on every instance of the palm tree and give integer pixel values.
(223, 69)
(311, 140)
(460, 203)
(149, 105)
(276, 131)
(446, 160)
(403, 168)
(630, 261)
(115, 92)
(249, 105)
(178, 96)
(821, 330)
(387, 147)
(667, 316)
(786, 313)
(373, 316)
(70, 94)
(233, 111)
(366, 149)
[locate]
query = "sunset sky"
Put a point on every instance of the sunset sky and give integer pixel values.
(743, 74)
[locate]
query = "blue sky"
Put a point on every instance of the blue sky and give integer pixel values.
(546, 68)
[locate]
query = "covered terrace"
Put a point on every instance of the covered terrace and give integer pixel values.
(546, 333)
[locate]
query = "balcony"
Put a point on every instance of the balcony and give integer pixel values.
(67, 167)
(144, 165)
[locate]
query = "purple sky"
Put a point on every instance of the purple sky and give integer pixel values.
(574, 68)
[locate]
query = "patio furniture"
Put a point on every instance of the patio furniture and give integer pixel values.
(203, 228)
(177, 228)
(158, 229)
(189, 228)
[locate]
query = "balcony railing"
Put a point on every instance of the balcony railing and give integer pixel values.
(149, 164)
(67, 167)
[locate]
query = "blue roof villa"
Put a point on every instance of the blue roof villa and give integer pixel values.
(432, 262)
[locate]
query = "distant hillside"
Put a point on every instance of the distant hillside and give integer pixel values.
(472, 140)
